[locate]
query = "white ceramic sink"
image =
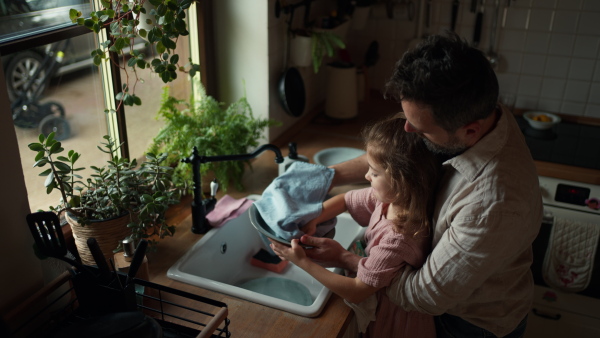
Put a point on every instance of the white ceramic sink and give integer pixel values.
(220, 262)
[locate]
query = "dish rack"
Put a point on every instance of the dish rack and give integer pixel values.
(75, 297)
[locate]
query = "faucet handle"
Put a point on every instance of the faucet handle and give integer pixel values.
(214, 186)
(293, 151)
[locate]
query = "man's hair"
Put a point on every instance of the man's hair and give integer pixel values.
(453, 78)
(412, 169)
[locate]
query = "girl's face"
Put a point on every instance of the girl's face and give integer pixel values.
(379, 180)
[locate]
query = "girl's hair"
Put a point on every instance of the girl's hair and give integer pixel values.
(412, 169)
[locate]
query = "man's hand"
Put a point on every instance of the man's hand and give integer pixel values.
(329, 253)
(310, 228)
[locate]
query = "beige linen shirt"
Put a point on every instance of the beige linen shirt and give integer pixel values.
(488, 212)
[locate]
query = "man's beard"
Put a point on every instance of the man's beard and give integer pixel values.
(450, 149)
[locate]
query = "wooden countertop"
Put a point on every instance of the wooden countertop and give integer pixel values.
(247, 319)
(312, 133)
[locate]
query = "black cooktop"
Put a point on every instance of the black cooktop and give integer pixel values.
(565, 143)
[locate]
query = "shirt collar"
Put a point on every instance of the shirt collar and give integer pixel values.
(473, 160)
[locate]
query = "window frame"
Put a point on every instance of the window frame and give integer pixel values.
(116, 125)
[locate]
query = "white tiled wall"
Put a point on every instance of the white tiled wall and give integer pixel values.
(549, 49)
(555, 68)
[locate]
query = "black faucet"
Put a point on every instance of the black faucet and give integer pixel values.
(200, 207)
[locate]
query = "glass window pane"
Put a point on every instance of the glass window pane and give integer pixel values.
(141, 124)
(20, 18)
(65, 97)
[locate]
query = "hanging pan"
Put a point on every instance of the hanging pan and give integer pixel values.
(291, 92)
(291, 85)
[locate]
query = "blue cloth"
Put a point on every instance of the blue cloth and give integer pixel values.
(295, 198)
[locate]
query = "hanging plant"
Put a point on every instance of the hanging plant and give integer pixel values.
(128, 20)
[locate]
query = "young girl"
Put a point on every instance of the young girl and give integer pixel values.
(397, 210)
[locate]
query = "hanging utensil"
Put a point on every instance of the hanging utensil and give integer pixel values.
(478, 25)
(418, 36)
(292, 93)
(505, 12)
(427, 17)
(474, 6)
(371, 57)
(492, 56)
(455, 7)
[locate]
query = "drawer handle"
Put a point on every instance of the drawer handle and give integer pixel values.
(547, 316)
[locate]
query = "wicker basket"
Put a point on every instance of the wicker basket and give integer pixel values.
(108, 233)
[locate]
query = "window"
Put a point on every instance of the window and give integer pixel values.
(52, 85)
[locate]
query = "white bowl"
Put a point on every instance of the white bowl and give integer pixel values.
(536, 124)
(331, 156)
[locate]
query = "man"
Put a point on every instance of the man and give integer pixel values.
(477, 279)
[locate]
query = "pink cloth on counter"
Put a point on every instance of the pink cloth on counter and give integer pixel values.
(227, 208)
(387, 252)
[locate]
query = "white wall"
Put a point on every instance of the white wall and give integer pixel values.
(549, 49)
(254, 50)
(241, 51)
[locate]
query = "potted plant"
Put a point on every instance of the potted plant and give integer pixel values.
(215, 128)
(116, 201)
(312, 46)
(318, 40)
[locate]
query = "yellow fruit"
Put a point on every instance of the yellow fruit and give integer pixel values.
(542, 118)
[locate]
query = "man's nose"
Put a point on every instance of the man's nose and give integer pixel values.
(409, 128)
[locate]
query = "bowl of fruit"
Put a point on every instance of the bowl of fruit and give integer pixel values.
(541, 120)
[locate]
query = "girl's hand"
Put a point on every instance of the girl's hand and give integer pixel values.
(294, 254)
(329, 253)
(310, 228)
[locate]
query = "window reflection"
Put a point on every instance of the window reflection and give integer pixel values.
(142, 126)
(65, 97)
(56, 87)
(20, 18)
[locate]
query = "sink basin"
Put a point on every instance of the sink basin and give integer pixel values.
(220, 261)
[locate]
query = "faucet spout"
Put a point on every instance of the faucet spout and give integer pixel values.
(245, 157)
(200, 207)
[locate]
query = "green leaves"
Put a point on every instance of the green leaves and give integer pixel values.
(128, 99)
(123, 18)
(74, 15)
(323, 44)
(214, 127)
(36, 146)
(111, 190)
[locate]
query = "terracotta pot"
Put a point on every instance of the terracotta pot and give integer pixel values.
(108, 233)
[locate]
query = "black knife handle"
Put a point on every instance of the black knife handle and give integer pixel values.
(136, 262)
(98, 257)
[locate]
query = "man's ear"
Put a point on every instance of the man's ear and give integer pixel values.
(471, 133)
